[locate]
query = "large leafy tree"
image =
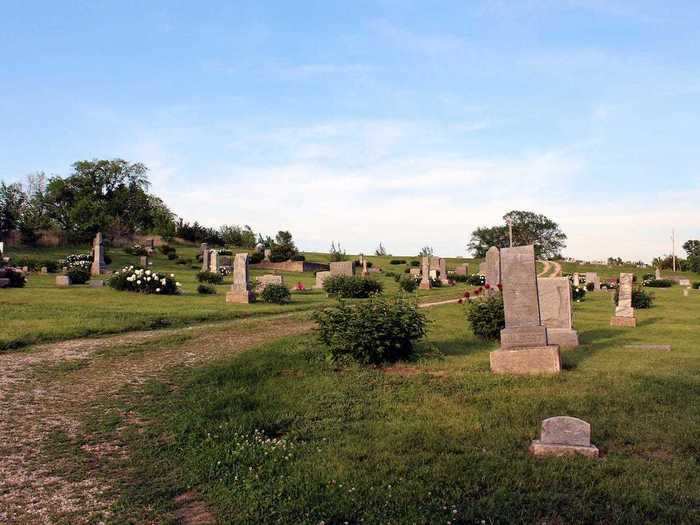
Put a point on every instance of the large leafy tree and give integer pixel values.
(692, 248)
(528, 228)
(284, 247)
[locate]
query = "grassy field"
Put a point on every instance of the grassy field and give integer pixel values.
(279, 435)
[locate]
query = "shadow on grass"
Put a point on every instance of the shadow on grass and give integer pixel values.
(648, 321)
(591, 341)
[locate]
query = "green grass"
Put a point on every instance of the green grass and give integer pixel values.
(279, 435)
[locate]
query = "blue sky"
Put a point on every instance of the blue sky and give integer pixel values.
(360, 122)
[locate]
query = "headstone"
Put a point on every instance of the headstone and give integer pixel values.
(685, 292)
(150, 245)
(657, 275)
(577, 280)
(44, 269)
(96, 283)
(624, 313)
(343, 268)
(363, 264)
(205, 258)
(564, 436)
(482, 268)
(592, 277)
(98, 256)
(143, 261)
(462, 269)
(62, 281)
(415, 272)
(214, 261)
(442, 268)
(268, 254)
(556, 311)
(493, 267)
(320, 277)
(684, 282)
(25, 269)
(525, 348)
(203, 248)
(425, 274)
(239, 292)
(2, 248)
(262, 281)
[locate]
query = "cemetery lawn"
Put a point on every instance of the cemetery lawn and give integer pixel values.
(277, 434)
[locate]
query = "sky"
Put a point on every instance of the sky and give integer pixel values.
(401, 122)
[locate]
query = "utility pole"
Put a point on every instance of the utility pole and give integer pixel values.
(509, 222)
(673, 250)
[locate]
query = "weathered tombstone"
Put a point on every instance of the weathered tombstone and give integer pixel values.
(214, 261)
(684, 282)
(44, 269)
(262, 281)
(268, 254)
(320, 277)
(205, 258)
(203, 248)
(577, 280)
(624, 313)
(525, 348)
(592, 277)
(239, 292)
(556, 311)
(462, 269)
(144, 261)
(564, 436)
(657, 274)
(442, 268)
(96, 283)
(493, 267)
(343, 268)
(415, 272)
(150, 245)
(98, 256)
(425, 274)
(363, 264)
(62, 281)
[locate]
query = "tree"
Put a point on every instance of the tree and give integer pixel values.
(284, 247)
(380, 251)
(12, 202)
(238, 235)
(528, 228)
(336, 253)
(692, 248)
(425, 251)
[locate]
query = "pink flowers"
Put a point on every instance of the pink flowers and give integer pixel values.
(299, 287)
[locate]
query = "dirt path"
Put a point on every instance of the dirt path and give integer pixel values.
(551, 269)
(46, 390)
(545, 270)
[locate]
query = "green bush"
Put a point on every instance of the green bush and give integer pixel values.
(276, 258)
(640, 298)
(476, 280)
(35, 265)
(578, 293)
(487, 317)
(78, 275)
(696, 285)
(414, 263)
(397, 261)
(206, 289)
(408, 284)
(136, 249)
(355, 287)
(172, 255)
(257, 257)
(376, 331)
(590, 287)
(298, 257)
(659, 283)
(165, 249)
(276, 294)
(210, 277)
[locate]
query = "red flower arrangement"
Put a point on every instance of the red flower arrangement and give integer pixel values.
(500, 287)
(487, 286)
(300, 287)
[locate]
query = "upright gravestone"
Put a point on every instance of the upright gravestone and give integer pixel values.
(657, 274)
(144, 261)
(624, 312)
(592, 277)
(363, 263)
(493, 267)
(150, 245)
(267, 254)
(63, 281)
(462, 269)
(320, 277)
(564, 436)
(205, 257)
(262, 281)
(556, 311)
(525, 348)
(441, 265)
(213, 261)
(343, 268)
(240, 291)
(576, 280)
(425, 274)
(98, 256)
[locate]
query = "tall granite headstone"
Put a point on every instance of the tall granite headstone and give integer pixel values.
(267, 254)
(98, 256)
(240, 291)
(556, 311)
(205, 257)
(657, 274)
(214, 261)
(493, 267)
(363, 264)
(624, 313)
(576, 280)
(524, 345)
(425, 274)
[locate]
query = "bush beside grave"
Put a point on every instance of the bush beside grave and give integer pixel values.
(408, 283)
(298, 257)
(78, 260)
(345, 286)
(377, 331)
(578, 293)
(640, 298)
(486, 317)
(415, 264)
(276, 294)
(206, 289)
(696, 285)
(133, 279)
(16, 277)
(397, 261)
(210, 277)
(136, 249)
(658, 283)
(257, 257)
(35, 265)
(78, 275)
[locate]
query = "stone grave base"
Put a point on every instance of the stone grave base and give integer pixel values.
(62, 281)
(562, 337)
(537, 448)
(240, 297)
(523, 337)
(526, 361)
(623, 321)
(96, 283)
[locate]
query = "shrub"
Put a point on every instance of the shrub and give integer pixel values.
(136, 249)
(379, 330)
(275, 257)
(172, 255)
(36, 264)
(696, 285)
(659, 283)
(397, 261)
(459, 278)
(78, 275)
(578, 293)
(476, 280)
(354, 287)
(78, 260)
(640, 298)
(414, 263)
(276, 294)
(487, 317)
(225, 270)
(206, 289)
(298, 257)
(408, 284)
(133, 279)
(16, 277)
(210, 277)
(590, 287)
(165, 249)
(256, 258)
